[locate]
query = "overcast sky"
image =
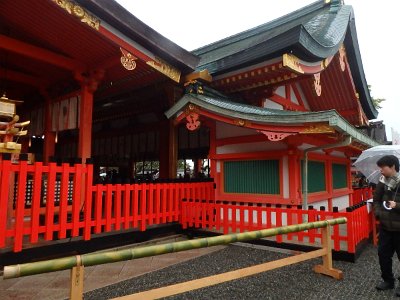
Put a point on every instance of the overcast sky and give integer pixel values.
(192, 24)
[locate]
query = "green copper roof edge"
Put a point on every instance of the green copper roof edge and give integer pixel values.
(332, 117)
(319, 46)
(263, 27)
(357, 70)
(340, 123)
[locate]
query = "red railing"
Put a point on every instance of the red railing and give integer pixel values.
(231, 217)
(40, 202)
(361, 194)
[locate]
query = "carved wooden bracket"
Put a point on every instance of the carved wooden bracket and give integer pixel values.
(193, 122)
(276, 136)
(317, 84)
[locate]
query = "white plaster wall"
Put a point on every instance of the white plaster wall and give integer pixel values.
(251, 147)
(341, 202)
(271, 104)
(293, 96)
(224, 130)
(317, 205)
(306, 105)
(281, 91)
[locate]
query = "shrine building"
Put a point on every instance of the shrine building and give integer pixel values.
(273, 110)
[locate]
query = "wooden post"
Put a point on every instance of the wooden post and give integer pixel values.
(89, 85)
(326, 267)
(85, 123)
(77, 274)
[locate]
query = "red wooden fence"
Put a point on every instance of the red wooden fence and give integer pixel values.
(40, 201)
(44, 202)
(361, 194)
(232, 217)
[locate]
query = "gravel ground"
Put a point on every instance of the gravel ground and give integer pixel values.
(297, 281)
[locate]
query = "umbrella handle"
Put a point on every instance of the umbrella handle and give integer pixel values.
(385, 205)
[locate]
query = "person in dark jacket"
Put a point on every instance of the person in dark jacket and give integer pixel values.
(387, 210)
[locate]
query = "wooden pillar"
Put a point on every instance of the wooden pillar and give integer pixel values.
(88, 87)
(85, 123)
(329, 181)
(168, 149)
(49, 135)
(294, 165)
(169, 136)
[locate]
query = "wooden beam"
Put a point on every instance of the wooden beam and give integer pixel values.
(224, 277)
(22, 78)
(41, 54)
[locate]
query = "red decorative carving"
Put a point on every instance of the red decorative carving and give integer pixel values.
(276, 136)
(193, 122)
(317, 84)
(342, 55)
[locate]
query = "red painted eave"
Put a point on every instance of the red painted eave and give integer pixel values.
(47, 28)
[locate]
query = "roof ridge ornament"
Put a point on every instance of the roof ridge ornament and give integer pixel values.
(335, 5)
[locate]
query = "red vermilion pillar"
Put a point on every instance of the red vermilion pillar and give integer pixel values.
(294, 176)
(85, 123)
(88, 87)
(329, 181)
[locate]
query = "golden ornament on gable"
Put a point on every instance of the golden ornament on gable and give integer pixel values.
(318, 128)
(74, 9)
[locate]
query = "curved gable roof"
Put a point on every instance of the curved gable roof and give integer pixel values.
(312, 33)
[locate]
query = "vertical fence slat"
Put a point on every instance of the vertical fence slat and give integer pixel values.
(135, 205)
(170, 203)
(88, 206)
(164, 202)
(143, 206)
(157, 203)
(225, 220)
(77, 199)
(98, 207)
(36, 199)
(62, 215)
(110, 195)
(278, 217)
(126, 206)
(20, 206)
(184, 214)
(5, 169)
(117, 207)
(150, 201)
(50, 198)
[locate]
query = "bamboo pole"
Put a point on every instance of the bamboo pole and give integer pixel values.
(93, 259)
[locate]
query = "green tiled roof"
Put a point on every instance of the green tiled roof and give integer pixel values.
(315, 27)
(311, 33)
(227, 108)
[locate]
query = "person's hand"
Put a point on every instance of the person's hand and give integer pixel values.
(392, 204)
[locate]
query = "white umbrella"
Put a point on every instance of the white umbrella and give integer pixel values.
(366, 162)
